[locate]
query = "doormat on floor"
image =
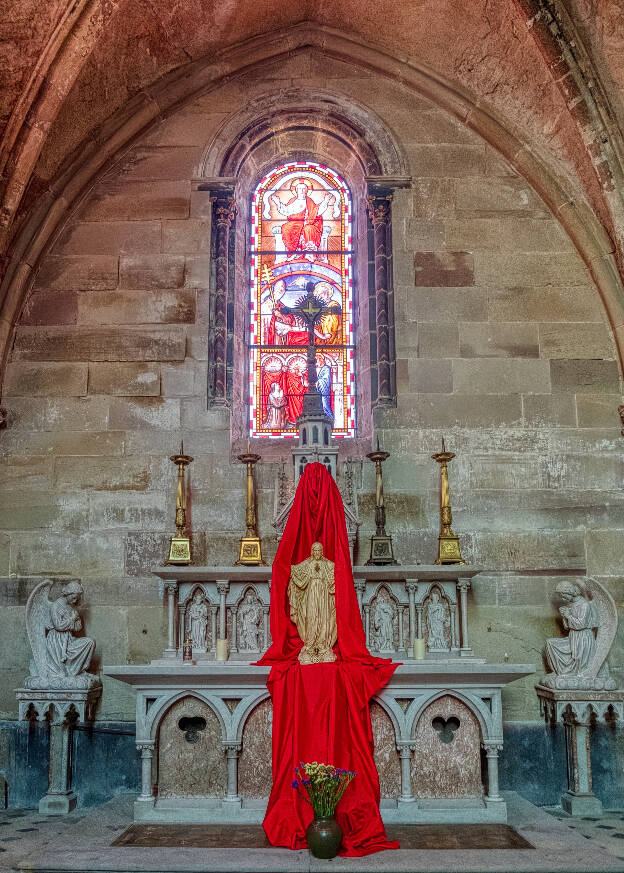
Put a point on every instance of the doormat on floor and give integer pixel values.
(428, 837)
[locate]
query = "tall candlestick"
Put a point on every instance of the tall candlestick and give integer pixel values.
(180, 547)
(448, 543)
(381, 542)
(250, 553)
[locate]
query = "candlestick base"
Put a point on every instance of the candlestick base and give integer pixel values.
(448, 550)
(179, 550)
(381, 550)
(250, 554)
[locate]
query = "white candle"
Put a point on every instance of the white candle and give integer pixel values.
(419, 648)
(222, 650)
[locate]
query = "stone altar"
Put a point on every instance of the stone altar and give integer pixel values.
(451, 697)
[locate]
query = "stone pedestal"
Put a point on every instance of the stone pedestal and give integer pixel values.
(577, 710)
(63, 708)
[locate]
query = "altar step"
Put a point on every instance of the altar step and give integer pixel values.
(555, 848)
(197, 810)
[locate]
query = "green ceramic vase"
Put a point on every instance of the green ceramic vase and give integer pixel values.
(324, 835)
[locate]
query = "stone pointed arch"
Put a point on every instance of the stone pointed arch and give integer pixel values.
(475, 704)
(158, 711)
(377, 149)
(127, 125)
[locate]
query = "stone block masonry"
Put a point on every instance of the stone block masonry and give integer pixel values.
(502, 344)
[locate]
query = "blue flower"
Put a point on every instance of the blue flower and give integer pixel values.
(306, 782)
(295, 784)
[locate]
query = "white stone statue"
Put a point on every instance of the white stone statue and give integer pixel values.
(437, 620)
(198, 621)
(312, 598)
(60, 659)
(249, 615)
(383, 624)
(578, 661)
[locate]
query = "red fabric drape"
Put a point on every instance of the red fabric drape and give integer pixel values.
(321, 711)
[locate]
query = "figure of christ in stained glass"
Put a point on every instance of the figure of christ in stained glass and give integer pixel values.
(301, 235)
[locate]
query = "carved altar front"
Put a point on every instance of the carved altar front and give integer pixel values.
(204, 727)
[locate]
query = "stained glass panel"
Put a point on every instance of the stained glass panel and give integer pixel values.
(300, 235)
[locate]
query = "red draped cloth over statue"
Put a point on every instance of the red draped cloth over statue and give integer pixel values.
(321, 711)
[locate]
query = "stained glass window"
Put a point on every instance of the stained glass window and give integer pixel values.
(300, 234)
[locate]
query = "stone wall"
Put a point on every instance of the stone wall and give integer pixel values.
(502, 346)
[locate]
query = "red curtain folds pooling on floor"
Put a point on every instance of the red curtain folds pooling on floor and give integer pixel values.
(320, 711)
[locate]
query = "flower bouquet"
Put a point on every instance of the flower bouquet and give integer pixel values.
(324, 785)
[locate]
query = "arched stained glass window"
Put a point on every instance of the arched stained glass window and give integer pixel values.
(300, 236)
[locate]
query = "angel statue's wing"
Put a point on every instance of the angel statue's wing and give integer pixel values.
(605, 618)
(37, 620)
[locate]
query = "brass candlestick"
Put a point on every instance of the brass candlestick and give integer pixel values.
(381, 543)
(448, 543)
(250, 553)
(180, 548)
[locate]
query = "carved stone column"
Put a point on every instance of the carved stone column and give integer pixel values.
(491, 750)
(400, 620)
(213, 626)
(360, 588)
(379, 210)
(412, 585)
(454, 627)
(181, 624)
(223, 586)
(171, 587)
(405, 752)
(223, 211)
(579, 799)
(233, 641)
(232, 751)
(367, 624)
(60, 798)
(265, 626)
(146, 748)
(464, 585)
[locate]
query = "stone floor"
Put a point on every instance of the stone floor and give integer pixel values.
(82, 841)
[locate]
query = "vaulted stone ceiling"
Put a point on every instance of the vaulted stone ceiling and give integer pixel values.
(551, 70)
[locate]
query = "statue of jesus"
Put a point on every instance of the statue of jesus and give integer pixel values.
(312, 597)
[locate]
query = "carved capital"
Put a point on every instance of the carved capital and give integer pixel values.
(232, 750)
(223, 586)
(492, 748)
(145, 747)
(411, 585)
(463, 584)
(360, 585)
(405, 749)
(170, 586)
(379, 208)
(224, 210)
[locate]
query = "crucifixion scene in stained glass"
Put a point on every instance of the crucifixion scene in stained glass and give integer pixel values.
(301, 263)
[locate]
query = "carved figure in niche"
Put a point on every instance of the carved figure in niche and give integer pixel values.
(198, 621)
(383, 623)
(312, 598)
(303, 228)
(60, 659)
(249, 614)
(437, 620)
(579, 660)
